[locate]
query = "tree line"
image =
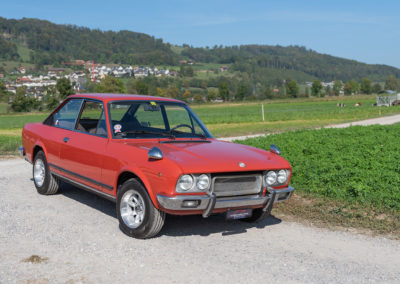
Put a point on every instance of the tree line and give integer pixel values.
(194, 90)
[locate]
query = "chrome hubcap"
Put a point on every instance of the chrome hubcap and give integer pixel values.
(39, 172)
(132, 209)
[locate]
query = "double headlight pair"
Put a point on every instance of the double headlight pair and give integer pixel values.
(193, 183)
(276, 178)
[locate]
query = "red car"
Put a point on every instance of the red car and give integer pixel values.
(152, 156)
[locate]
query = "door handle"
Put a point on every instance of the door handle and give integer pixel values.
(65, 139)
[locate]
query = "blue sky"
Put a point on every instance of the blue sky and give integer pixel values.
(367, 31)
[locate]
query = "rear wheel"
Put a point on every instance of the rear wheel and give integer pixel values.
(44, 181)
(136, 213)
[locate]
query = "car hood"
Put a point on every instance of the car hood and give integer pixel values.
(215, 156)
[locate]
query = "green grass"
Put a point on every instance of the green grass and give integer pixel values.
(356, 163)
(10, 66)
(351, 174)
(9, 144)
(24, 52)
(12, 121)
(3, 108)
(246, 118)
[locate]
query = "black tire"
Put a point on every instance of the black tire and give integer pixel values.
(50, 183)
(257, 216)
(153, 219)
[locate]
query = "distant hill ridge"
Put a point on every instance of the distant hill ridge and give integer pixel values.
(49, 43)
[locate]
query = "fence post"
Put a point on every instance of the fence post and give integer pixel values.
(262, 110)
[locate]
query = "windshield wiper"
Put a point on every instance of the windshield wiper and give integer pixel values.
(202, 136)
(166, 134)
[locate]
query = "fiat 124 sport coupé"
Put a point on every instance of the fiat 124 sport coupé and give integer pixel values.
(152, 156)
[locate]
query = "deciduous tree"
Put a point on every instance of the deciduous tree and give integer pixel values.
(223, 91)
(366, 86)
(316, 88)
(337, 86)
(376, 88)
(110, 84)
(392, 83)
(292, 88)
(64, 87)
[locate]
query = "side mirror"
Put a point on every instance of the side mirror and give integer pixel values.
(274, 149)
(155, 153)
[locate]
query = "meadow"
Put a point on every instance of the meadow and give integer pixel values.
(232, 119)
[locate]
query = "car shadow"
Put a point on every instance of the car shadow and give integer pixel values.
(215, 224)
(177, 226)
(102, 205)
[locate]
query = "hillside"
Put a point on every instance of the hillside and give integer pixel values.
(41, 42)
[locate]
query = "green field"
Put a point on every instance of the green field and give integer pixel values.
(239, 119)
(232, 119)
(355, 169)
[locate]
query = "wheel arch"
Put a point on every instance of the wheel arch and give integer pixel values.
(128, 174)
(38, 147)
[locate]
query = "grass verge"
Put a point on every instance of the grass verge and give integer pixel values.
(338, 214)
(9, 144)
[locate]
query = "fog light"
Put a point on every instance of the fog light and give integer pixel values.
(190, 203)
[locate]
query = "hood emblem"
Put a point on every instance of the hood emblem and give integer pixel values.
(242, 165)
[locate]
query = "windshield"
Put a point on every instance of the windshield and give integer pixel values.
(150, 119)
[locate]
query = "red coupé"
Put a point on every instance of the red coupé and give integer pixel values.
(152, 156)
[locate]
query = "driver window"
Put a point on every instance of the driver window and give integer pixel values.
(92, 119)
(178, 115)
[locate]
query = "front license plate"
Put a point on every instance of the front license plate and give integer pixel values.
(238, 214)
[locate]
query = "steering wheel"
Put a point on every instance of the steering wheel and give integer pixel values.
(183, 125)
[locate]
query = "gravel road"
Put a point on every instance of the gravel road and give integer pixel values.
(78, 237)
(385, 120)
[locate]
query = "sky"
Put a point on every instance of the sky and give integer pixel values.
(367, 31)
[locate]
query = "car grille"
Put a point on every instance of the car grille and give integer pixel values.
(237, 185)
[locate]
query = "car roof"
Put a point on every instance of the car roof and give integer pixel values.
(122, 97)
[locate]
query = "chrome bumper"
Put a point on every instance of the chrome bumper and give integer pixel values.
(207, 203)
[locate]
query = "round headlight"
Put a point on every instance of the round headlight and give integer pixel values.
(185, 182)
(203, 182)
(270, 178)
(282, 176)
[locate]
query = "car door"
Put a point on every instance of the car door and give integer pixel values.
(82, 154)
(61, 125)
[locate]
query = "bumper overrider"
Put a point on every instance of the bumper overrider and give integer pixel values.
(207, 203)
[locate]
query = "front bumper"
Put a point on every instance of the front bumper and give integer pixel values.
(207, 203)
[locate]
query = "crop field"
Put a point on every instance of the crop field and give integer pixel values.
(358, 167)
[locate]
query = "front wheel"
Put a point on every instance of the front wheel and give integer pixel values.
(44, 181)
(136, 213)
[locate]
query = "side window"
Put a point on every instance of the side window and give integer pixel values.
(66, 116)
(92, 119)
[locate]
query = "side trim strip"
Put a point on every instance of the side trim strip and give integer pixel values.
(106, 186)
(85, 187)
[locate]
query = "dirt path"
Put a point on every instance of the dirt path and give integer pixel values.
(386, 120)
(76, 235)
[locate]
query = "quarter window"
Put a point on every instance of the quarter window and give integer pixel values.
(66, 116)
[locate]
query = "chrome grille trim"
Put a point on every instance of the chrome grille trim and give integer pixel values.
(236, 185)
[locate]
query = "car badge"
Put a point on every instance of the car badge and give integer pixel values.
(242, 165)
